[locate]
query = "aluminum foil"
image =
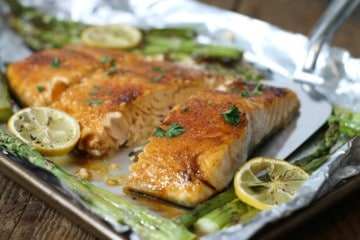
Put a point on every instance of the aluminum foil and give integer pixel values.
(342, 165)
(264, 44)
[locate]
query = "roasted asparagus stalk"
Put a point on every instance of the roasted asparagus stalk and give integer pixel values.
(5, 103)
(217, 213)
(40, 30)
(234, 212)
(219, 200)
(146, 224)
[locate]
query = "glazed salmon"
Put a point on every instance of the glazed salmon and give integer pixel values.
(123, 108)
(202, 157)
(42, 77)
(39, 79)
(117, 97)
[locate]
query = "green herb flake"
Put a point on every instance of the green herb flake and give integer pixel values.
(93, 102)
(184, 108)
(232, 115)
(156, 78)
(258, 88)
(173, 130)
(104, 59)
(111, 71)
(111, 61)
(245, 93)
(107, 59)
(40, 89)
(55, 63)
(158, 132)
(159, 69)
(94, 90)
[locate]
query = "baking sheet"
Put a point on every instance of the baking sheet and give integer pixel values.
(264, 44)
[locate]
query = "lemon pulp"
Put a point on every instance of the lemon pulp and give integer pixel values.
(48, 130)
(111, 36)
(264, 182)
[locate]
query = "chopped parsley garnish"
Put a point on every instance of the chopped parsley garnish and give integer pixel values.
(110, 71)
(40, 89)
(258, 88)
(55, 63)
(159, 69)
(104, 59)
(107, 59)
(232, 115)
(94, 90)
(156, 78)
(159, 132)
(256, 91)
(173, 130)
(245, 93)
(93, 102)
(184, 108)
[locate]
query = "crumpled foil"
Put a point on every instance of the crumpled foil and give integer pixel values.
(342, 165)
(264, 44)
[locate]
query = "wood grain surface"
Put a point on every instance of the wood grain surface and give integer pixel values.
(25, 216)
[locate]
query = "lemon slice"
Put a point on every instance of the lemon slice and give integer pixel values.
(264, 182)
(48, 130)
(111, 36)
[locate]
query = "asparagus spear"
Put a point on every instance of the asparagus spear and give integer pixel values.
(234, 212)
(183, 33)
(349, 122)
(217, 52)
(214, 215)
(33, 30)
(312, 161)
(40, 30)
(44, 31)
(343, 125)
(241, 70)
(144, 223)
(190, 217)
(166, 44)
(5, 104)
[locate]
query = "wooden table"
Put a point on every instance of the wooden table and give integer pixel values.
(25, 216)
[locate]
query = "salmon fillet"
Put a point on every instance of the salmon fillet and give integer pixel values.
(117, 97)
(189, 168)
(132, 100)
(39, 79)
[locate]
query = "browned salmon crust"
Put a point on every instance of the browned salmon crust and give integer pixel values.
(123, 108)
(40, 79)
(117, 97)
(190, 168)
